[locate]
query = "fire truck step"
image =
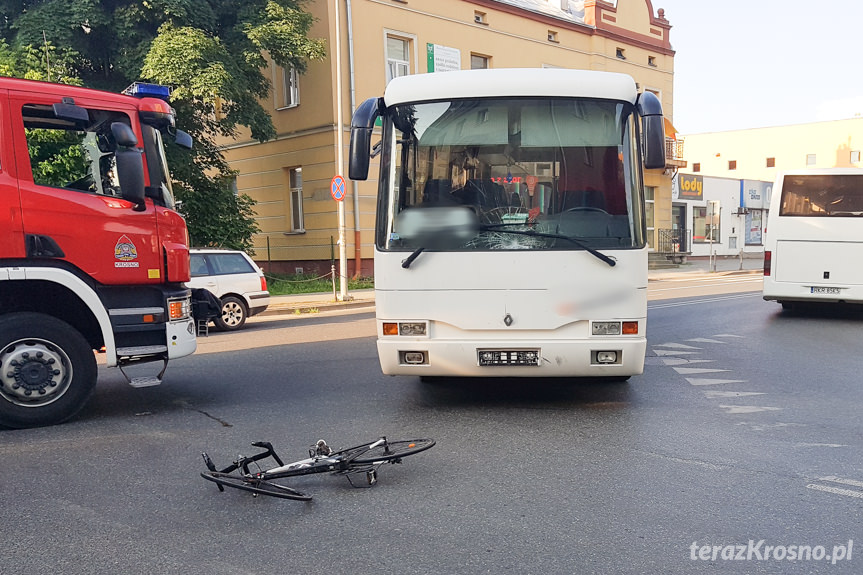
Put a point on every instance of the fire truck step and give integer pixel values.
(144, 381)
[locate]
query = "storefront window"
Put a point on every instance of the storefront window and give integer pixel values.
(705, 225)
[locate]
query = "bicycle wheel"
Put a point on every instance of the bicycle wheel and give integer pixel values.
(389, 451)
(256, 486)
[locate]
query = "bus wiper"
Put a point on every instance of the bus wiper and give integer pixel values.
(579, 243)
(406, 263)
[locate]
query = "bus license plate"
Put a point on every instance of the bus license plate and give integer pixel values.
(508, 356)
(827, 290)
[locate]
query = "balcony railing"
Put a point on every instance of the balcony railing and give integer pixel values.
(674, 153)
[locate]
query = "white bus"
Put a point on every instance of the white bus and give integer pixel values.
(814, 245)
(510, 235)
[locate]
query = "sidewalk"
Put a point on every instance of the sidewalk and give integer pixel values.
(324, 301)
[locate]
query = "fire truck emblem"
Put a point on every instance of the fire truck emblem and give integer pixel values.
(125, 252)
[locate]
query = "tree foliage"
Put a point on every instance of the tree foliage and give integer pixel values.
(212, 52)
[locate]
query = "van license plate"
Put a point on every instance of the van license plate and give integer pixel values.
(827, 290)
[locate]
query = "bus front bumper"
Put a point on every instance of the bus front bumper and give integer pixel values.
(621, 357)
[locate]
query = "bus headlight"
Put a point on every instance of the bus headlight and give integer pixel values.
(606, 328)
(407, 328)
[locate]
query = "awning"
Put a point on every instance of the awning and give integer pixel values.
(670, 130)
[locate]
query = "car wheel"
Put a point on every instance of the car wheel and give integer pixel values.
(234, 314)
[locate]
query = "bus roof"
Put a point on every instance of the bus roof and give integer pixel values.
(510, 82)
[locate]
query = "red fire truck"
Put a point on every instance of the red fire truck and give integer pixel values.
(93, 255)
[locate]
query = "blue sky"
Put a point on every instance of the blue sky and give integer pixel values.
(754, 63)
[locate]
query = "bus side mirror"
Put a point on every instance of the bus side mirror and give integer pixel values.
(653, 126)
(362, 126)
(130, 165)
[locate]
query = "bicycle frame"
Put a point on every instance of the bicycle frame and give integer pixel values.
(362, 459)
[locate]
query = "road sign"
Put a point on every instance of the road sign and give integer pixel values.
(337, 188)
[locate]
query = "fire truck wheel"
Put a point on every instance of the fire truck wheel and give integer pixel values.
(234, 314)
(47, 370)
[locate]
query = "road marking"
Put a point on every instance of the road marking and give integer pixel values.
(836, 490)
(671, 352)
(728, 335)
(676, 345)
(694, 370)
(834, 479)
(819, 445)
(700, 301)
(718, 394)
(705, 340)
(733, 409)
(683, 360)
(699, 381)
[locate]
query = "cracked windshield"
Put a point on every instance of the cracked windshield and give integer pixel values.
(513, 174)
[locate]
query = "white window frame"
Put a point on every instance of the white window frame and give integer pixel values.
(288, 94)
(410, 65)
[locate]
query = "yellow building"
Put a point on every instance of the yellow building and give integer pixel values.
(759, 153)
(372, 41)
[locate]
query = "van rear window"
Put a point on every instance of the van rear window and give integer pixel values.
(817, 195)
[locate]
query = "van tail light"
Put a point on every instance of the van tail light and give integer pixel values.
(768, 260)
(263, 283)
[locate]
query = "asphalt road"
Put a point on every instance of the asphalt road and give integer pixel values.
(744, 427)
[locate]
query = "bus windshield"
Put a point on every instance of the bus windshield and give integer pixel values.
(511, 174)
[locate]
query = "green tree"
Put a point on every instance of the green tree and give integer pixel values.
(212, 52)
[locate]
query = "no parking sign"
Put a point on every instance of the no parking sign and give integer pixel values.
(337, 188)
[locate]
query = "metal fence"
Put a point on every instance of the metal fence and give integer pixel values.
(673, 241)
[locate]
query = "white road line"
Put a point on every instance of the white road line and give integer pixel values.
(671, 352)
(728, 335)
(834, 479)
(836, 490)
(733, 409)
(820, 445)
(700, 301)
(676, 345)
(718, 394)
(683, 360)
(695, 370)
(699, 381)
(705, 340)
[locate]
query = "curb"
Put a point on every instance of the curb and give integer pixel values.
(313, 307)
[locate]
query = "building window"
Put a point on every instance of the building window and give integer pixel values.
(855, 156)
(771, 162)
(705, 225)
(732, 164)
(288, 93)
(295, 177)
(696, 167)
(552, 36)
(621, 53)
(398, 57)
(810, 159)
(479, 17)
(651, 61)
(478, 62)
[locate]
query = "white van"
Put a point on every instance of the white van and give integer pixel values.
(814, 238)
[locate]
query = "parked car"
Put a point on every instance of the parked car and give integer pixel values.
(235, 279)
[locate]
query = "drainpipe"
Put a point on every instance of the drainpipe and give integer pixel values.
(358, 257)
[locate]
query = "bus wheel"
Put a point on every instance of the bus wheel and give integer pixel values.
(47, 370)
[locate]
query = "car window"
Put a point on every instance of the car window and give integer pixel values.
(198, 265)
(230, 264)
